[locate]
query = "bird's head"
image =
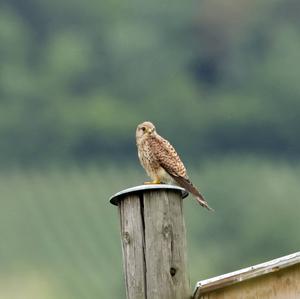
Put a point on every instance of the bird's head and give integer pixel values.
(145, 129)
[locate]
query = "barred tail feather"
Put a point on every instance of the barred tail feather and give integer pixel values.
(187, 184)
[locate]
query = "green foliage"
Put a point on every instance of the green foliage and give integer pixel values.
(60, 238)
(216, 77)
(76, 77)
(57, 226)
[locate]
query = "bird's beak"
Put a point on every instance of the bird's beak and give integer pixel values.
(151, 131)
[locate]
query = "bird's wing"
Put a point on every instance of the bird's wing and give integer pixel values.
(168, 159)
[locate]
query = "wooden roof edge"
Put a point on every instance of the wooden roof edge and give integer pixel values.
(227, 279)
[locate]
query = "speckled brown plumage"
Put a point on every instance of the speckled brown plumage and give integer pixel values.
(161, 161)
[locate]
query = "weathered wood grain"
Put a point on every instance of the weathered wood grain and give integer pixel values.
(283, 284)
(132, 238)
(165, 236)
(276, 279)
(154, 245)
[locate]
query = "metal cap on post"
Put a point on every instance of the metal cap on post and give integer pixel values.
(153, 241)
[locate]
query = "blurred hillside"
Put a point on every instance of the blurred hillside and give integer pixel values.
(60, 237)
(220, 79)
(77, 77)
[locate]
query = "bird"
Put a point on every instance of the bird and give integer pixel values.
(161, 161)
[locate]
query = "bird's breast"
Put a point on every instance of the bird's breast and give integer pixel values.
(164, 177)
(148, 159)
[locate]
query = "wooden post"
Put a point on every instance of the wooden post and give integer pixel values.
(153, 242)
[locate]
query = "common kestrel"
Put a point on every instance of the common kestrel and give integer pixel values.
(161, 161)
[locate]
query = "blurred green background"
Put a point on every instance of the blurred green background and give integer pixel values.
(220, 79)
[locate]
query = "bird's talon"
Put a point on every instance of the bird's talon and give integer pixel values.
(155, 182)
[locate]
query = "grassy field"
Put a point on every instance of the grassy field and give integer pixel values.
(60, 236)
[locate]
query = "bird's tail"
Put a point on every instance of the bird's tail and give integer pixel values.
(204, 203)
(187, 184)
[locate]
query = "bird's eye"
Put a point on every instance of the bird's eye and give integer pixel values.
(143, 129)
